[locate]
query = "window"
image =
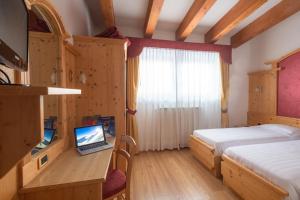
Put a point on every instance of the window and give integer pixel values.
(179, 78)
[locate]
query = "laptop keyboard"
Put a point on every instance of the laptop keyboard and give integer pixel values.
(94, 148)
(91, 146)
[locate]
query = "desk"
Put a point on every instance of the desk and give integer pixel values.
(71, 177)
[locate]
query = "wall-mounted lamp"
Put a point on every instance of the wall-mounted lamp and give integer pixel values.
(258, 89)
(82, 78)
(53, 76)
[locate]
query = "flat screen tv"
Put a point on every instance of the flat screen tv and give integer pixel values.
(14, 34)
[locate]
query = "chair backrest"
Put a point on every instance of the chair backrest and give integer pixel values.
(128, 169)
(130, 144)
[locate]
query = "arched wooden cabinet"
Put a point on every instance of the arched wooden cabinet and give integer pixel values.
(262, 96)
(22, 107)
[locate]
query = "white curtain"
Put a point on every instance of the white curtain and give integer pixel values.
(179, 91)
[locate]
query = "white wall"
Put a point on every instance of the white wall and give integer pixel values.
(75, 16)
(272, 44)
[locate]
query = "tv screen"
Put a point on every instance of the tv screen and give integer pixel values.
(14, 34)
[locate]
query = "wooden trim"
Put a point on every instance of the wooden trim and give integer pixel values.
(88, 39)
(197, 11)
(247, 183)
(259, 118)
(236, 14)
(51, 14)
(71, 49)
(41, 34)
(275, 15)
(107, 11)
(205, 154)
(153, 12)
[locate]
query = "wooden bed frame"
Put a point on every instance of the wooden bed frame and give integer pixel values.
(247, 184)
(206, 155)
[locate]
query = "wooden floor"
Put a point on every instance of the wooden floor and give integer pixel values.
(174, 175)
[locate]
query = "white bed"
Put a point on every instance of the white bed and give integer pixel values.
(277, 162)
(221, 139)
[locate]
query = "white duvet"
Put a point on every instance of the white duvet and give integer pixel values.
(223, 138)
(277, 162)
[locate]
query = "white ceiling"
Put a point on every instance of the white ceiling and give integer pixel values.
(131, 13)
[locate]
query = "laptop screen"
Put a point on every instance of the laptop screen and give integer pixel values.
(48, 137)
(89, 135)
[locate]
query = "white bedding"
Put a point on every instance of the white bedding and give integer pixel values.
(223, 138)
(277, 162)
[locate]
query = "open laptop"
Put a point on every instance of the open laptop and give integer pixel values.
(90, 139)
(48, 138)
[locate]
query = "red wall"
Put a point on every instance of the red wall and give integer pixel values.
(288, 97)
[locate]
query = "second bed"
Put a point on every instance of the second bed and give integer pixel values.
(208, 145)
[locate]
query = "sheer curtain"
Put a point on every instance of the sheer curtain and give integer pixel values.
(179, 91)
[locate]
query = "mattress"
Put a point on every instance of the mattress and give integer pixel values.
(277, 162)
(221, 139)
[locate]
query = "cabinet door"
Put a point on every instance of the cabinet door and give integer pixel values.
(262, 92)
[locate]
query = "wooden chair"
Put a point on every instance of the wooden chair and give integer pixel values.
(130, 144)
(117, 184)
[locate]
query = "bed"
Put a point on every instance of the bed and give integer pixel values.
(263, 171)
(207, 145)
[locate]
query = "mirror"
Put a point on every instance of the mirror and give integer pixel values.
(44, 69)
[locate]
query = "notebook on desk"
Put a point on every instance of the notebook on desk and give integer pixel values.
(90, 139)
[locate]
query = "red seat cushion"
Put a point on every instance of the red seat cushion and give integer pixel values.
(115, 182)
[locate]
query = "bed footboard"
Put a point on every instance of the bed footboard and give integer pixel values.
(247, 184)
(205, 154)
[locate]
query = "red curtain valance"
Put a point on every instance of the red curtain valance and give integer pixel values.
(137, 45)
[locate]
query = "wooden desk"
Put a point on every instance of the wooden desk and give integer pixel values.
(71, 177)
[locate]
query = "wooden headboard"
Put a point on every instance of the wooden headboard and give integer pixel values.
(258, 118)
(269, 95)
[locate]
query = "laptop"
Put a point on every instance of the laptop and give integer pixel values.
(48, 138)
(90, 139)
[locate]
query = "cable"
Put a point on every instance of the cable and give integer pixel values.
(6, 76)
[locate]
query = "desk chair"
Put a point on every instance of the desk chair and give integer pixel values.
(130, 144)
(117, 184)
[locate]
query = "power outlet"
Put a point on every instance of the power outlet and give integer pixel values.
(43, 161)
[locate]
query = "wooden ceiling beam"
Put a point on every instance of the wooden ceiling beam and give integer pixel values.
(153, 12)
(278, 13)
(193, 17)
(235, 15)
(107, 11)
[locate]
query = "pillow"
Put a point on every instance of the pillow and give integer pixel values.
(289, 130)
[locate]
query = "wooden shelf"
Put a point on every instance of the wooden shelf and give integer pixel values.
(20, 90)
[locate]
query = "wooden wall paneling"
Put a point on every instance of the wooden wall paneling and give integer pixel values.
(103, 63)
(71, 56)
(43, 61)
